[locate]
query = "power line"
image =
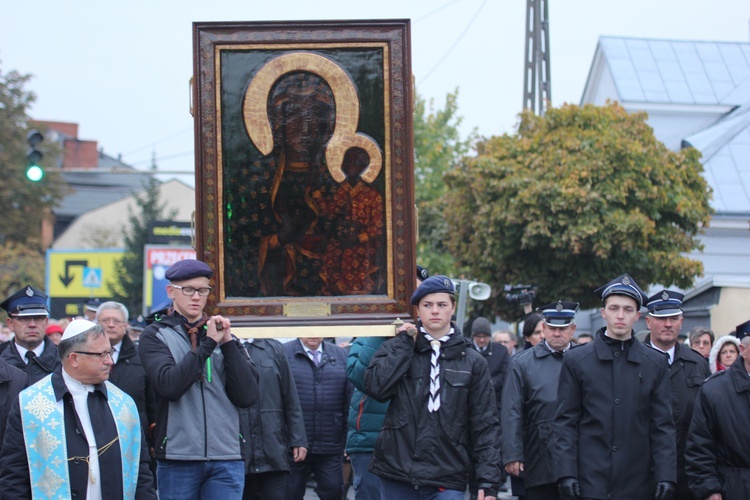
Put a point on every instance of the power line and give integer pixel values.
(455, 44)
(161, 158)
(152, 144)
(435, 11)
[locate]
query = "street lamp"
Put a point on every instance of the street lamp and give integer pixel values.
(474, 289)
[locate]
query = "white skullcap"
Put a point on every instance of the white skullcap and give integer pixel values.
(77, 327)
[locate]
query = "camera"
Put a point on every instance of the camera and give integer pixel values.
(519, 294)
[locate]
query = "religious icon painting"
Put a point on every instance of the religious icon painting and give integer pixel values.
(304, 171)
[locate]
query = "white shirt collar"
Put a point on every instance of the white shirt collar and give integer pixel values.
(38, 350)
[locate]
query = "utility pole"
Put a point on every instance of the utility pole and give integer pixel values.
(537, 92)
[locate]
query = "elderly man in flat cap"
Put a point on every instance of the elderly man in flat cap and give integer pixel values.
(202, 375)
(530, 401)
(687, 371)
(74, 434)
(615, 433)
(442, 419)
(31, 350)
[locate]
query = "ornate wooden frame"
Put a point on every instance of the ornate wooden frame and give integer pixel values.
(248, 58)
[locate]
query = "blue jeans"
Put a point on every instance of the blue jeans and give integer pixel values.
(406, 491)
(367, 486)
(197, 479)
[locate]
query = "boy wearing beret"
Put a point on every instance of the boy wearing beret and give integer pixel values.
(442, 419)
(203, 375)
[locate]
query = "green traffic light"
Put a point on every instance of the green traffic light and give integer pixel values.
(35, 173)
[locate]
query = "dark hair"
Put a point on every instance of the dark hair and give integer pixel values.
(530, 322)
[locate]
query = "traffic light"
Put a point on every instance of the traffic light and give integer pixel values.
(34, 172)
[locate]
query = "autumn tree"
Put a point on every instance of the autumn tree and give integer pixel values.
(438, 147)
(23, 203)
(574, 199)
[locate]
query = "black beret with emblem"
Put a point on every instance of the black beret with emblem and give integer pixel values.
(26, 302)
(433, 284)
(623, 285)
(560, 313)
(665, 303)
(422, 273)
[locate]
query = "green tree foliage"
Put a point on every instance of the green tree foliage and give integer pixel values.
(128, 286)
(22, 203)
(574, 199)
(438, 147)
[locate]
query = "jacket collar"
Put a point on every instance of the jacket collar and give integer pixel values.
(127, 349)
(739, 375)
(58, 384)
(603, 348)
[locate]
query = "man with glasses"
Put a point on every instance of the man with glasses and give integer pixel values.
(687, 370)
(127, 371)
(31, 351)
(202, 375)
(74, 434)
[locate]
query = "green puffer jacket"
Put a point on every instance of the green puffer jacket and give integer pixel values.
(365, 414)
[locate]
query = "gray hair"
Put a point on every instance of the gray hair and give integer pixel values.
(113, 305)
(67, 346)
(698, 331)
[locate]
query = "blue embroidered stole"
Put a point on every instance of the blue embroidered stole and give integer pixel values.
(46, 449)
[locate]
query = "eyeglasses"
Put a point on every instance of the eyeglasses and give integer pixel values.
(27, 319)
(190, 291)
(102, 355)
(111, 321)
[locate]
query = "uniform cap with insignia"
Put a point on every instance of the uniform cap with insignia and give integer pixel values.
(742, 330)
(665, 303)
(422, 273)
(26, 302)
(92, 304)
(623, 285)
(559, 314)
(433, 284)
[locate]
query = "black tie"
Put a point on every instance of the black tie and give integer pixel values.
(558, 354)
(29, 356)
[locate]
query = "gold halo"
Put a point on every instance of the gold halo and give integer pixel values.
(345, 135)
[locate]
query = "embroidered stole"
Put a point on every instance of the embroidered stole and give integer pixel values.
(47, 451)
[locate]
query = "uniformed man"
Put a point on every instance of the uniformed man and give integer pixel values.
(31, 350)
(615, 433)
(687, 370)
(530, 401)
(90, 307)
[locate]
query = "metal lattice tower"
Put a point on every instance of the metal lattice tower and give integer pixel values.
(537, 92)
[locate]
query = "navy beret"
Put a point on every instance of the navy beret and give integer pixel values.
(26, 302)
(480, 326)
(623, 285)
(665, 303)
(433, 284)
(188, 269)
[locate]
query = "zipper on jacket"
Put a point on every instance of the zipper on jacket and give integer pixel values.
(361, 411)
(205, 422)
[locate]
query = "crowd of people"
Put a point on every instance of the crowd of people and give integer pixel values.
(180, 408)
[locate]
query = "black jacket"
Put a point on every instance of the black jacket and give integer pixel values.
(12, 381)
(718, 444)
(498, 360)
(39, 367)
(529, 405)
(686, 375)
(324, 394)
(435, 448)
(197, 410)
(128, 374)
(614, 424)
(15, 478)
(274, 424)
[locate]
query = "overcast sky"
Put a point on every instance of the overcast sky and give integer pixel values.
(121, 69)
